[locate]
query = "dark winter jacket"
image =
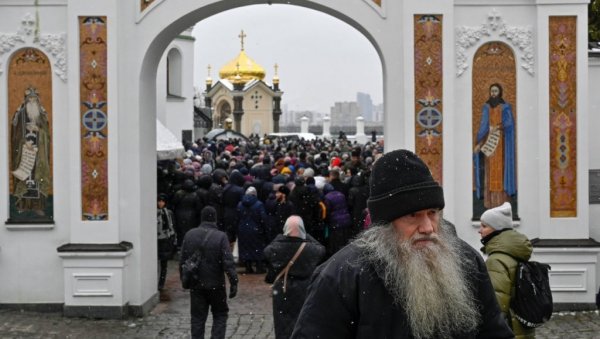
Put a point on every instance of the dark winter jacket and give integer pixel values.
(215, 196)
(339, 186)
(286, 306)
(165, 235)
(337, 210)
(216, 256)
(357, 201)
(232, 195)
(277, 214)
(187, 207)
(251, 228)
(347, 299)
(204, 182)
(306, 205)
(505, 249)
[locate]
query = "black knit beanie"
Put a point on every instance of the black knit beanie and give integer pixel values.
(208, 214)
(401, 184)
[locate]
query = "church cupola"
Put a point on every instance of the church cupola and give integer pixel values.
(242, 65)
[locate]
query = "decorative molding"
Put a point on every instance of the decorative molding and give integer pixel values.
(28, 35)
(520, 37)
(568, 279)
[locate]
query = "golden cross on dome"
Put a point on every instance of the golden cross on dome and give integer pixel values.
(242, 36)
(276, 68)
(209, 68)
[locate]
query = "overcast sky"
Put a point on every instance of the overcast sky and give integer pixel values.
(321, 59)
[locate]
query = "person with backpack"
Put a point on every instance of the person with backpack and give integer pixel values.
(206, 249)
(505, 248)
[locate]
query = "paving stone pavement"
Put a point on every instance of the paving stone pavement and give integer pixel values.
(250, 317)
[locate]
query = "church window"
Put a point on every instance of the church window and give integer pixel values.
(174, 73)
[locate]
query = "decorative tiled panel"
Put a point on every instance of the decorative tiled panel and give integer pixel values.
(30, 137)
(94, 117)
(494, 126)
(563, 116)
(428, 91)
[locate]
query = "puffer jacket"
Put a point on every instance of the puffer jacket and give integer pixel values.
(505, 249)
(337, 210)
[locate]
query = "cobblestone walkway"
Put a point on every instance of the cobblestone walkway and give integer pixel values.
(249, 317)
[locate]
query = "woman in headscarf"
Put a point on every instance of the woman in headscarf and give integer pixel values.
(289, 292)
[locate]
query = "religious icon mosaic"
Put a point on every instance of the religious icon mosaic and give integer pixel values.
(94, 117)
(494, 118)
(30, 137)
(429, 92)
(563, 116)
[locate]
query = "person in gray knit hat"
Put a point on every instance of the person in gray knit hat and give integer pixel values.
(405, 276)
(505, 248)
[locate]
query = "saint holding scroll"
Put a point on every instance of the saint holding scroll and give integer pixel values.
(30, 154)
(494, 154)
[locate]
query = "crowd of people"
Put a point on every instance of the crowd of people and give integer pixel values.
(255, 186)
(351, 240)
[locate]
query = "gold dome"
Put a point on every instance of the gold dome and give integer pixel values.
(248, 69)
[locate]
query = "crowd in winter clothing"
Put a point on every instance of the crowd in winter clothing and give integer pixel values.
(254, 185)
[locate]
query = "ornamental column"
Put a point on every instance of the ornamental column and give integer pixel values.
(208, 100)
(276, 101)
(238, 98)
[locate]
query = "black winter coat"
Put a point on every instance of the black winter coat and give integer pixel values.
(357, 201)
(286, 306)
(306, 205)
(277, 214)
(215, 199)
(216, 256)
(347, 299)
(251, 228)
(187, 206)
(232, 195)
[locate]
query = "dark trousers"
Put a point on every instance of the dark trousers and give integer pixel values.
(162, 274)
(201, 300)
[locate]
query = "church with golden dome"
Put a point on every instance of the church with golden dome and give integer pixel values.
(242, 95)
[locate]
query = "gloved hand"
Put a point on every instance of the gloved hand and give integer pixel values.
(232, 290)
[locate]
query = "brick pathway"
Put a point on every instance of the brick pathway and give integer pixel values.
(249, 317)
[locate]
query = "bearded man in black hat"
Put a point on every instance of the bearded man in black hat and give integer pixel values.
(404, 277)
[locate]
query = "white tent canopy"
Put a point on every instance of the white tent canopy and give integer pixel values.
(167, 144)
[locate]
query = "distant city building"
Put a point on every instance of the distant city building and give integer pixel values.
(378, 113)
(365, 105)
(344, 113)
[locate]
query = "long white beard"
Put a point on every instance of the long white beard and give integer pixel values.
(429, 283)
(33, 111)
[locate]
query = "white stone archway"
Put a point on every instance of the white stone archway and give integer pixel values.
(154, 31)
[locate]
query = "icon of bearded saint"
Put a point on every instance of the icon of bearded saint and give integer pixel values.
(30, 155)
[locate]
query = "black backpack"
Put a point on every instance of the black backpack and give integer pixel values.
(191, 268)
(531, 303)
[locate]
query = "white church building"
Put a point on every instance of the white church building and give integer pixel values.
(82, 84)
